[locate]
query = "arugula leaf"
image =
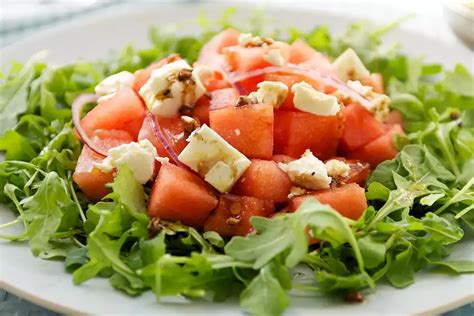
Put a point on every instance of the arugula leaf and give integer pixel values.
(401, 272)
(14, 93)
(273, 237)
(130, 192)
(331, 282)
(457, 266)
(214, 238)
(121, 283)
(460, 81)
(104, 252)
(265, 294)
(75, 258)
(45, 210)
(16, 146)
(373, 252)
(287, 233)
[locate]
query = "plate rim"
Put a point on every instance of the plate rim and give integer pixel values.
(60, 308)
(117, 10)
(45, 303)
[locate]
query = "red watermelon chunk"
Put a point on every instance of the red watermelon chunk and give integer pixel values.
(349, 200)
(232, 215)
(264, 180)
(123, 111)
(247, 128)
(89, 179)
(380, 149)
(173, 128)
(360, 128)
(297, 131)
(180, 195)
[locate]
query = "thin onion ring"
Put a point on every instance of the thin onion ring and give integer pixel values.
(162, 139)
(76, 109)
(313, 74)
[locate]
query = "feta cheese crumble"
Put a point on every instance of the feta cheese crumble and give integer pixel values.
(378, 103)
(307, 172)
(219, 176)
(270, 92)
(248, 40)
(310, 100)
(220, 164)
(110, 85)
(296, 191)
(190, 124)
(337, 168)
(274, 57)
(348, 66)
(138, 156)
(171, 87)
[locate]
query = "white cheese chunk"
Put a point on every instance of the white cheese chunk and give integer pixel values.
(171, 87)
(348, 66)
(270, 92)
(247, 39)
(296, 191)
(310, 100)
(139, 157)
(220, 175)
(110, 85)
(213, 158)
(274, 57)
(307, 172)
(203, 75)
(378, 103)
(337, 168)
(162, 160)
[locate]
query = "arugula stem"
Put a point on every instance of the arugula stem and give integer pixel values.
(234, 264)
(77, 242)
(13, 222)
(204, 245)
(455, 197)
(14, 238)
(386, 28)
(304, 287)
(350, 221)
(382, 213)
(313, 261)
(30, 181)
(76, 201)
(391, 240)
(174, 259)
(67, 234)
(20, 210)
(446, 153)
(239, 277)
(464, 212)
(27, 165)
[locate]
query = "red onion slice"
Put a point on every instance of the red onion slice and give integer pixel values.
(313, 74)
(240, 88)
(76, 108)
(236, 84)
(162, 139)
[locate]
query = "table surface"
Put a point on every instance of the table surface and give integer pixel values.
(19, 18)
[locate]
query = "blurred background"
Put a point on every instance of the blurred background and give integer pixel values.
(19, 18)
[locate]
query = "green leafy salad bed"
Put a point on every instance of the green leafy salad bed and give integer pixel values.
(420, 203)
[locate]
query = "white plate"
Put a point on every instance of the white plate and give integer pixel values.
(46, 282)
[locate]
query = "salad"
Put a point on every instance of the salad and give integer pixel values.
(220, 165)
